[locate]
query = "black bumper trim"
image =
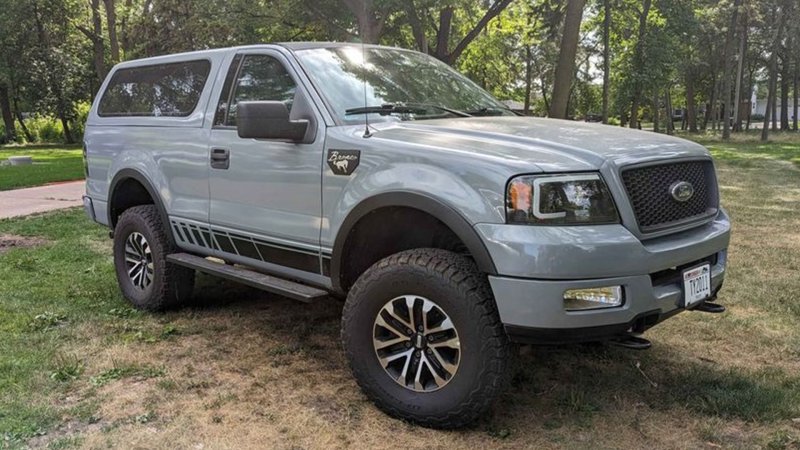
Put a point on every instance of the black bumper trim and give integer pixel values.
(557, 336)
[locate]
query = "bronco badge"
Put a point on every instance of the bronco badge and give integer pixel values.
(343, 162)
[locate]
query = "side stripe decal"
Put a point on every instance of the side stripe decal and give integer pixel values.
(247, 246)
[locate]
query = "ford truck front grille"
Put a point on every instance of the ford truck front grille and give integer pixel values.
(651, 192)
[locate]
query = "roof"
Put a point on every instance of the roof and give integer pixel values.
(310, 45)
(292, 46)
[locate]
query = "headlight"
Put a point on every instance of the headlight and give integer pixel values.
(580, 198)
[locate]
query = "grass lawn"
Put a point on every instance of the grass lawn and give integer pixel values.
(50, 164)
(743, 148)
(244, 369)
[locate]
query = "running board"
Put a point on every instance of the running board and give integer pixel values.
(291, 289)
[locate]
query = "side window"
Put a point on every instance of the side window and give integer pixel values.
(225, 96)
(159, 90)
(260, 77)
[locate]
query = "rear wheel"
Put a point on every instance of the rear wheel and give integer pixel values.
(423, 338)
(141, 246)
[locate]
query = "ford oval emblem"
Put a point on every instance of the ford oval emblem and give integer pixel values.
(681, 191)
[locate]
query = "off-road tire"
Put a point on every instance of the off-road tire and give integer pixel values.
(462, 291)
(171, 285)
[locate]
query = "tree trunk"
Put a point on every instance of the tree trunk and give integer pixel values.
(775, 107)
(684, 122)
(668, 105)
(785, 75)
(710, 105)
(544, 94)
(68, 139)
(638, 61)
(8, 117)
(443, 36)
(726, 75)
(737, 124)
(656, 125)
(768, 109)
(125, 38)
(21, 120)
(565, 68)
(111, 24)
(773, 70)
(749, 84)
(97, 41)
(417, 29)
(526, 109)
(715, 105)
(691, 105)
(370, 21)
(445, 31)
(25, 130)
(795, 97)
(606, 57)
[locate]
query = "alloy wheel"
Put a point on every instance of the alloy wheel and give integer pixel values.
(416, 343)
(139, 260)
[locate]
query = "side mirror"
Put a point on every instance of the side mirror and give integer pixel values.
(268, 120)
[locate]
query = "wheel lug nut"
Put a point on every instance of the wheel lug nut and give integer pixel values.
(408, 344)
(430, 338)
(420, 328)
(429, 351)
(409, 332)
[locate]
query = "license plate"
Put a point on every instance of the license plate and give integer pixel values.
(696, 285)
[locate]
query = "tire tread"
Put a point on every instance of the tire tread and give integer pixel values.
(462, 273)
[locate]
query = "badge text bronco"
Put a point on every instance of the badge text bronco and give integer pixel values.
(343, 162)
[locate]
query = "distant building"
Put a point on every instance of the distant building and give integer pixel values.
(514, 105)
(759, 106)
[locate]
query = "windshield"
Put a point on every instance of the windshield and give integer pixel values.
(395, 77)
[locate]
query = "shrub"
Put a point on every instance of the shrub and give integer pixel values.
(45, 129)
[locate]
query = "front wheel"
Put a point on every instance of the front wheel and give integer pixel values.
(424, 340)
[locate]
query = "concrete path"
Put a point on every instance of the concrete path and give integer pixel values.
(21, 202)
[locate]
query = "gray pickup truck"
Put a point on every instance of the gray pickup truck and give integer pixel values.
(452, 227)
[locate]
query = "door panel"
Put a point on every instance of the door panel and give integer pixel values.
(267, 188)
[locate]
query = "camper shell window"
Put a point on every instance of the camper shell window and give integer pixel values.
(160, 90)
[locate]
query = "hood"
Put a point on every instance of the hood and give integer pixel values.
(551, 145)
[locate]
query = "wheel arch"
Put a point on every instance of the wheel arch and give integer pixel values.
(444, 213)
(117, 205)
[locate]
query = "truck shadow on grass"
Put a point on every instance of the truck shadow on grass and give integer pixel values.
(551, 387)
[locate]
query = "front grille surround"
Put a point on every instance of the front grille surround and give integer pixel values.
(648, 189)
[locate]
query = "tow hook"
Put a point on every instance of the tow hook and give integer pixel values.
(631, 342)
(709, 307)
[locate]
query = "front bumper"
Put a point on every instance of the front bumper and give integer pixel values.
(537, 264)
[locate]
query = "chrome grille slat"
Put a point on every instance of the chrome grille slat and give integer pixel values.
(648, 190)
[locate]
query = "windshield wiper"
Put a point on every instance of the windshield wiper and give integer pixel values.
(403, 108)
(489, 111)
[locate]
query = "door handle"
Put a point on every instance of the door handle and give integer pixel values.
(220, 158)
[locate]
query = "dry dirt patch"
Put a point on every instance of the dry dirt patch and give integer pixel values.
(10, 241)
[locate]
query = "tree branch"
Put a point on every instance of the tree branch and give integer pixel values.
(497, 7)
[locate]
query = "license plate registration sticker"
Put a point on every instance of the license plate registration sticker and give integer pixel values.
(696, 285)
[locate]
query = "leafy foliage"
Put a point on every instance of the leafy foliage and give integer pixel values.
(54, 53)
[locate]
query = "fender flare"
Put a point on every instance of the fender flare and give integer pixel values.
(444, 213)
(132, 174)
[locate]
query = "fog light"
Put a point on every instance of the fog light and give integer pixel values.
(599, 297)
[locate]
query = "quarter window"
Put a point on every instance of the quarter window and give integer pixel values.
(259, 78)
(160, 90)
